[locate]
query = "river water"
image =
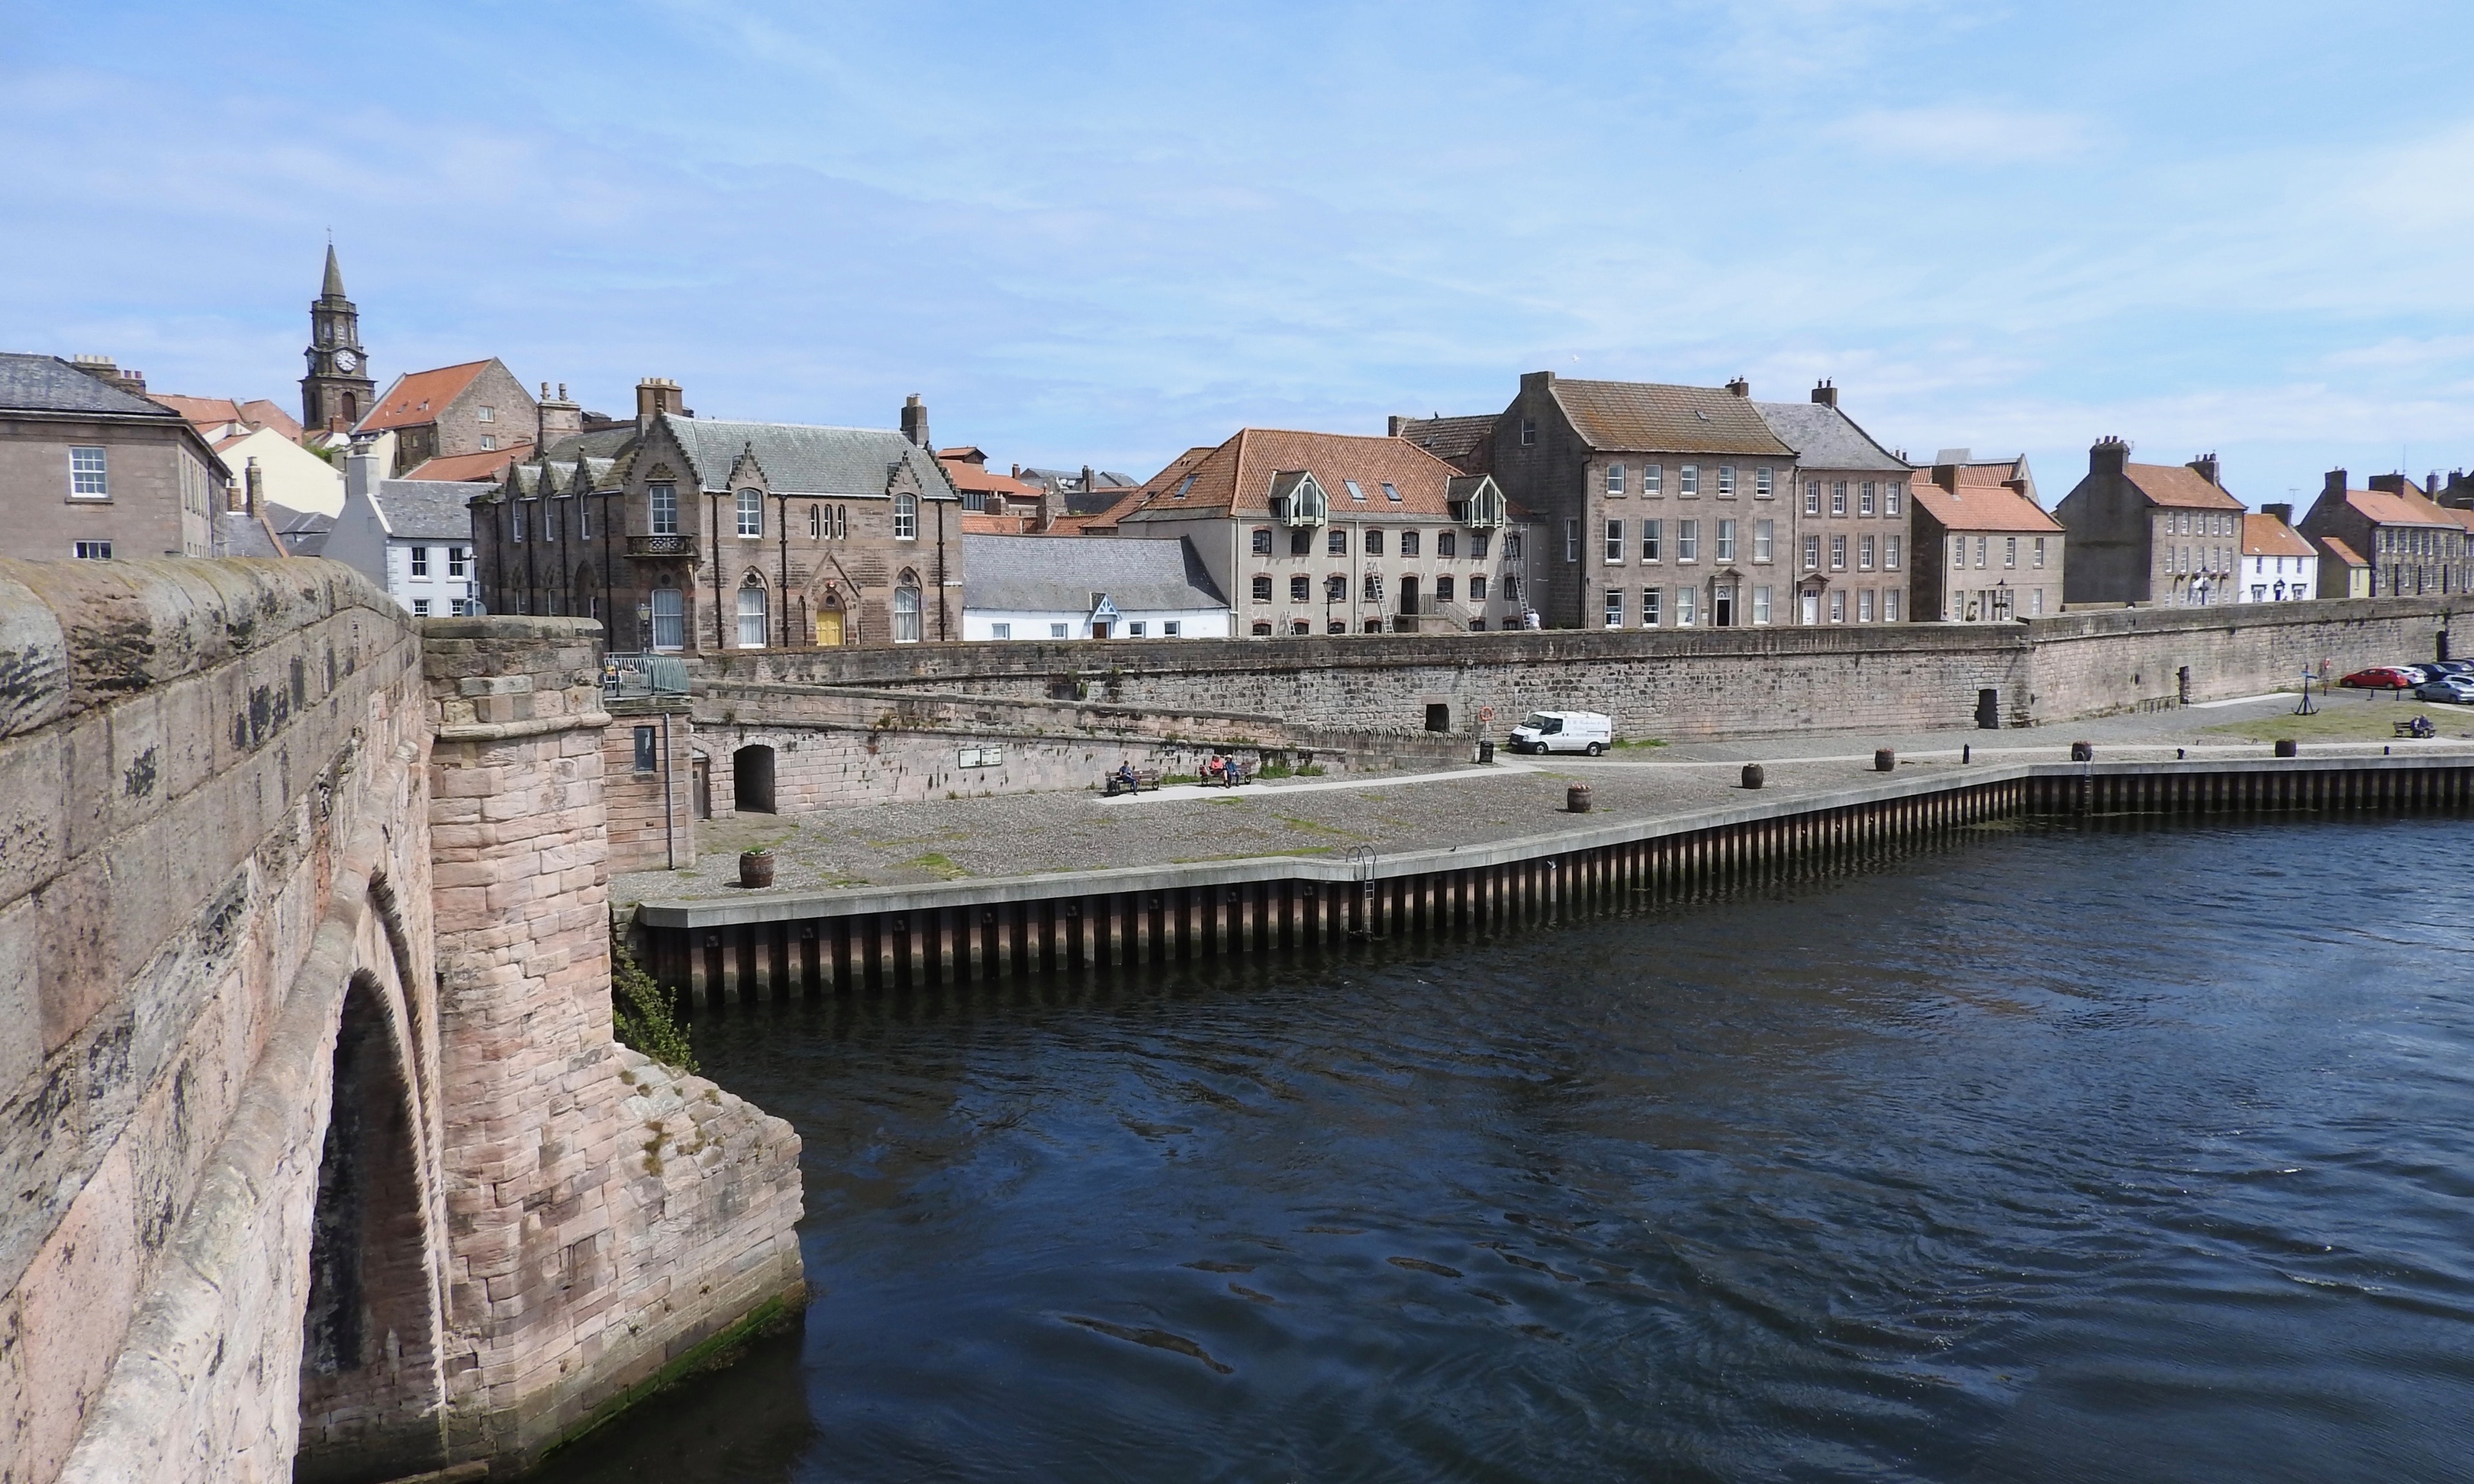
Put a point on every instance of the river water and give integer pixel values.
(2140, 1155)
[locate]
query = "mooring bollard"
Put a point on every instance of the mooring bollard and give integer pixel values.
(2287, 747)
(1966, 752)
(1885, 760)
(2082, 752)
(1753, 775)
(1576, 799)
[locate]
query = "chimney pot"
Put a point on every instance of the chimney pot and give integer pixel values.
(2333, 484)
(2205, 465)
(2283, 512)
(1741, 387)
(1825, 394)
(2109, 455)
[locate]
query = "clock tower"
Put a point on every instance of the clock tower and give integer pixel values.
(339, 390)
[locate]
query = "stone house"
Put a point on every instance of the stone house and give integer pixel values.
(90, 468)
(1337, 533)
(1653, 499)
(1983, 552)
(2161, 533)
(695, 535)
(1849, 529)
(411, 536)
(1123, 588)
(476, 408)
(2413, 545)
(2344, 573)
(2278, 563)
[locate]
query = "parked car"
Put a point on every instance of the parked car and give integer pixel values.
(2455, 689)
(2450, 667)
(1564, 731)
(2383, 676)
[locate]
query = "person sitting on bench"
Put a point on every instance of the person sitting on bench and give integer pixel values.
(1126, 779)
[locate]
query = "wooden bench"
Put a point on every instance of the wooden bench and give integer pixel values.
(1144, 778)
(1241, 773)
(2416, 727)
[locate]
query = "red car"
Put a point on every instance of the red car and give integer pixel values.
(2381, 677)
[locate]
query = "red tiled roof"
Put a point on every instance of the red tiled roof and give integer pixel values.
(2265, 536)
(975, 524)
(1982, 507)
(418, 398)
(2177, 487)
(968, 476)
(1235, 478)
(966, 453)
(2333, 548)
(2380, 508)
(490, 463)
(258, 412)
(210, 412)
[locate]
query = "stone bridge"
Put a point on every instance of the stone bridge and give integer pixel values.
(320, 1158)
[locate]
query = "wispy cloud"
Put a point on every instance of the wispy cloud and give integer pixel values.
(1971, 134)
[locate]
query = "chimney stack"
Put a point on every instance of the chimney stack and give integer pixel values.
(1826, 394)
(252, 487)
(1741, 387)
(914, 420)
(2334, 485)
(2206, 467)
(654, 397)
(1087, 478)
(361, 470)
(555, 418)
(102, 369)
(1391, 426)
(2108, 455)
(2282, 512)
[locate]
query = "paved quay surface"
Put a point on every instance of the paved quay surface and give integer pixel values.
(1022, 834)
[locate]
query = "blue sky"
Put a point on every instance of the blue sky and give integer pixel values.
(1105, 232)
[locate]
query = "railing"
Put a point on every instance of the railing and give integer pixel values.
(625, 676)
(662, 546)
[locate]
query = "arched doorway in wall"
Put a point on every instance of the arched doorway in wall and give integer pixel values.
(370, 1387)
(751, 779)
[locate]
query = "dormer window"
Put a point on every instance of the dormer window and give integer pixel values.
(751, 512)
(1297, 500)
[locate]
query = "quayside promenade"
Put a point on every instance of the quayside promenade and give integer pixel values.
(1103, 882)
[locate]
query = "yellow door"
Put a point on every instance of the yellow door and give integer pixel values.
(829, 627)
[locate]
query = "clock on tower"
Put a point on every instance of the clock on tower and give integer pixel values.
(338, 391)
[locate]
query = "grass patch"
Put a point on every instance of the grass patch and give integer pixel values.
(940, 866)
(1317, 827)
(2363, 721)
(1644, 742)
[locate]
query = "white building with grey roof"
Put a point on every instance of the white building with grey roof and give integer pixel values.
(412, 537)
(1090, 587)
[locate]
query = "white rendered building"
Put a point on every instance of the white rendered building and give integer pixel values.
(2279, 565)
(412, 537)
(1088, 587)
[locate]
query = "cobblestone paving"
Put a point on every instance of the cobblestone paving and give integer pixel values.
(1020, 834)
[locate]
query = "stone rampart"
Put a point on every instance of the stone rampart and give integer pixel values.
(1678, 684)
(323, 1169)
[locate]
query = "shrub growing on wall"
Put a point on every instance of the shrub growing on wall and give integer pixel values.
(642, 1015)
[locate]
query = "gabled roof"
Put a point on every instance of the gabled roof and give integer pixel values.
(2331, 546)
(1099, 522)
(965, 453)
(46, 383)
(1040, 574)
(1824, 438)
(302, 532)
(1990, 507)
(2380, 508)
(2177, 487)
(424, 509)
(1650, 416)
(2265, 536)
(802, 459)
(598, 442)
(967, 475)
(415, 400)
(214, 412)
(1236, 478)
(488, 464)
(2462, 515)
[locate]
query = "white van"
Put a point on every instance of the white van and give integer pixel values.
(1564, 731)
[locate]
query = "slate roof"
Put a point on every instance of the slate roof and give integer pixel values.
(302, 532)
(2265, 536)
(46, 383)
(595, 443)
(1448, 438)
(1983, 508)
(1041, 574)
(240, 533)
(804, 459)
(415, 400)
(1824, 438)
(426, 509)
(2177, 487)
(1236, 477)
(1649, 416)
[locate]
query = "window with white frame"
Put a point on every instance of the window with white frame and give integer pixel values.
(516, 519)
(1687, 541)
(1864, 553)
(751, 512)
(664, 497)
(2039, 553)
(1889, 604)
(999, 630)
(1649, 539)
(1725, 481)
(1615, 542)
(1615, 608)
(1838, 497)
(1838, 554)
(92, 551)
(1687, 607)
(906, 519)
(584, 519)
(906, 626)
(2036, 603)
(815, 522)
(1812, 554)
(1838, 604)
(1864, 499)
(1262, 540)
(1765, 486)
(1649, 597)
(1890, 554)
(489, 443)
(1571, 539)
(1653, 479)
(1892, 495)
(1134, 629)
(2010, 551)
(459, 561)
(421, 608)
(1057, 630)
(1688, 481)
(1171, 628)
(670, 618)
(1864, 606)
(1528, 431)
(1763, 535)
(421, 562)
(1812, 496)
(485, 414)
(1614, 479)
(1979, 549)
(752, 609)
(1760, 605)
(1726, 541)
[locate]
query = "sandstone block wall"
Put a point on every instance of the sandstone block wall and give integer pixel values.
(643, 834)
(198, 761)
(1678, 684)
(585, 1257)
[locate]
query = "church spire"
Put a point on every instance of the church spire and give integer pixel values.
(334, 287)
